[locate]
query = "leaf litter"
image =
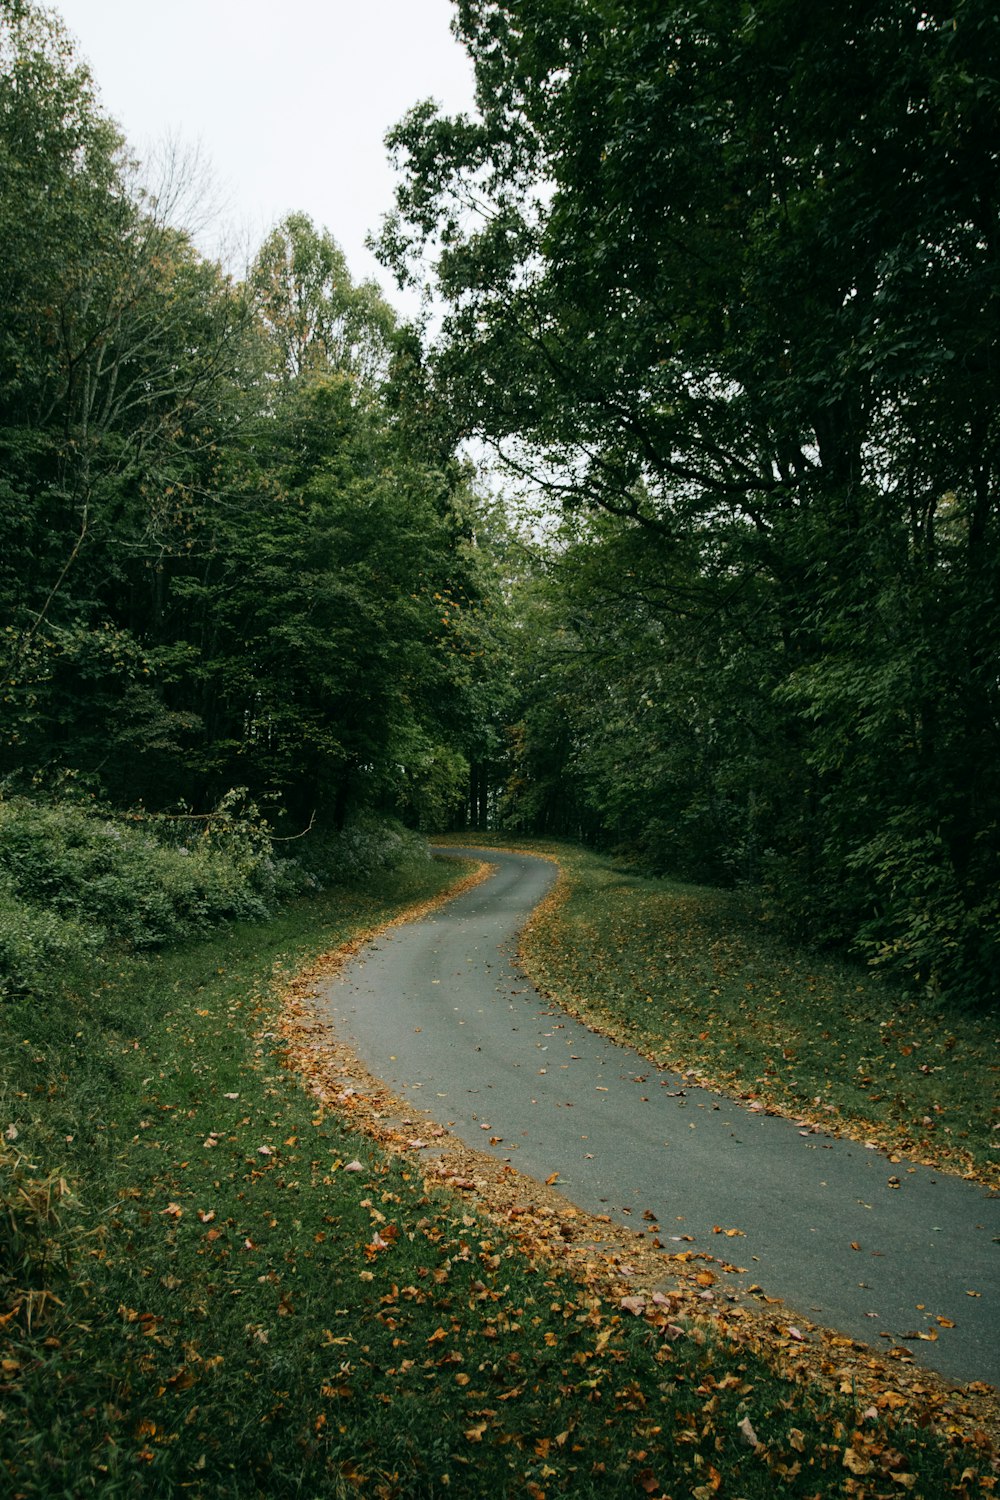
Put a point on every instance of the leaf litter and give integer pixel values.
(680, 1294)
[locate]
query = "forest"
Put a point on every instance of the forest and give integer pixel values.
(720, 297)
(666, 546)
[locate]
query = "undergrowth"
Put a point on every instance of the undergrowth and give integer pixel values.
(75, 877)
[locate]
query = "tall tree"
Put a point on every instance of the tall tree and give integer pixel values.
(234, 556)
(315, 316)
(730, 275)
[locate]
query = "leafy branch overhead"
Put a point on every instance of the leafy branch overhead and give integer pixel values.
(722, 283)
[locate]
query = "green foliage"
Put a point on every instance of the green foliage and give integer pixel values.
(436, 784)
(315, 319)
(367, 848)
(77, 877)
(927, 928)
(729, 277)
(34, 942)
(229, 522)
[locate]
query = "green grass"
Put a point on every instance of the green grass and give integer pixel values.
(255, 1300)
(694, 977)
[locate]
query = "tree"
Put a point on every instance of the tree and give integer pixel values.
(316, 319)
(232, 557)
(119, 348)
(730, 276)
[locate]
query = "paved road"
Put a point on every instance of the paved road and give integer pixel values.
(439, 1010)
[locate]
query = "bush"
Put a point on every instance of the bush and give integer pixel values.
(367, 845)
(73, 877)
(930, 928)
(34, 941)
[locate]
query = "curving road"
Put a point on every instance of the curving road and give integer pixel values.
(439, 1010)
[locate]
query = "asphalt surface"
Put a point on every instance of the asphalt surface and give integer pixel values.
(439, 1010)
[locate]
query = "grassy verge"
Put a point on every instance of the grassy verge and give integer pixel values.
(211, 1286)
(694, 978)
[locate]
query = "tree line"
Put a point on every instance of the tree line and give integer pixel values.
(722, 284)
(719, 287)
(237, 549)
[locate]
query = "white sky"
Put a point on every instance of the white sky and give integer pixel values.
(288, 101)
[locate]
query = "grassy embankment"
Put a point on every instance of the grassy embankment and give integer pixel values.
(695, 979)
(210, 1285)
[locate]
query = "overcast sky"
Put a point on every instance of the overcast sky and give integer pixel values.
(287, 100)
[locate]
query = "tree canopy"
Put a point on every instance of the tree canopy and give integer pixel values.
(728, 276)
(230, 559)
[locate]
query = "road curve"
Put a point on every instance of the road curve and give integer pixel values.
(440, 1011)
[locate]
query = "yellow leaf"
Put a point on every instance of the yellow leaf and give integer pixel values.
(856, 1462)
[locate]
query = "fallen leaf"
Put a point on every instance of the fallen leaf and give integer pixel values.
(745, 1429)
(856, 1462)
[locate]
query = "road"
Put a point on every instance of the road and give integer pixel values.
(877, 1249)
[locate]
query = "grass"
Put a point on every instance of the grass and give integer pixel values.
(695, 978)
(211, 1286)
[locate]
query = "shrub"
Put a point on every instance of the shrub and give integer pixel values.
(940, 933)
(33, 941)
(73, 877)
(367, 845)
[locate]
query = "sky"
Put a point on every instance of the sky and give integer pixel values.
(286, 101)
